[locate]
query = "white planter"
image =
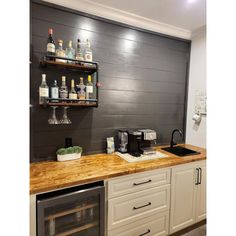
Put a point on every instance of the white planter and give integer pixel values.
(68, 157)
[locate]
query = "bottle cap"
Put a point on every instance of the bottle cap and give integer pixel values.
(63, 78)
(70, 43)
(60, 41)
(50, 31)
(89, 78)
(72, 83)
(81, 78)
(44, 77)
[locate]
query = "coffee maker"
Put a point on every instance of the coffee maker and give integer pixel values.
(134, 138)
(137, 142)
(148, 139)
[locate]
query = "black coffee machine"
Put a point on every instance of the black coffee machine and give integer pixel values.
(134, 139)
(138, 141)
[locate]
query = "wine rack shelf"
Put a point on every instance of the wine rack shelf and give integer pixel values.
(72, 64)
(71, 211)
(78, 229)
(83, 67)
(71, 102)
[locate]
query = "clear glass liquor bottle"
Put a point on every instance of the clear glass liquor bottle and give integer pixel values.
(60, 52)
(89, 88)
(72, 93)
(88, 55)
(55, 92)
(79, 53)
(43, 90)
(63, 89)
(81, 90)
(70, 52)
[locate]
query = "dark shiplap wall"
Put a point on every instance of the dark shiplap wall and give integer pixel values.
(143, 79)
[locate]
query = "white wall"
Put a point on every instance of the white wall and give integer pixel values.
(196, 134)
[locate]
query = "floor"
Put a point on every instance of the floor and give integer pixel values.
(200, 231)
(196, 230)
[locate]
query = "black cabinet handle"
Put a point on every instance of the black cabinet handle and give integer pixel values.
(197, 169)
(145, 232)
(148, 204)
(135, 184)
(200, 176)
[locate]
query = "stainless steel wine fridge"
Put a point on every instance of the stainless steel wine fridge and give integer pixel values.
(76, 211)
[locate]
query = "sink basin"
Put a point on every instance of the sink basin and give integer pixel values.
(181, 151)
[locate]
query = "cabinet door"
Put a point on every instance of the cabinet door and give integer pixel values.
(183, 197)
(201, 194)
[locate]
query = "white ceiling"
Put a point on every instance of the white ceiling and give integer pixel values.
(179, 18)
(185, 14)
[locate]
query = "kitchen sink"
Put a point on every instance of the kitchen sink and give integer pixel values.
(180, 151)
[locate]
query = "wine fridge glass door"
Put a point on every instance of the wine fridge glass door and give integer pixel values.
(76, 214)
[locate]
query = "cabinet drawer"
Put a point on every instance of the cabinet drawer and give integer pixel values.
(155, 225)
(136, 182)
(135, 206)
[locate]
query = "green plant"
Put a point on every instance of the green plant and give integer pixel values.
(69, 150)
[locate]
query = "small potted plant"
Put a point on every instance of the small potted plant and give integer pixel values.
(70, 153)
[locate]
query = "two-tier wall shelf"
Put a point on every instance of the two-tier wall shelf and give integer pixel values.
(82, 67)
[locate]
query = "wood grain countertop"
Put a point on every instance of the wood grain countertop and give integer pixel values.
(52, 175)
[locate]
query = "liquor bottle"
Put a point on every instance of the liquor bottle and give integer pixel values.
(63, 89)
(88, 55)
(72, 93)
(81, 90)
(55, 92)
(70, 52)
(43, 90)
(50, 45)
(60, 52)
(79, 54)
(89, 89)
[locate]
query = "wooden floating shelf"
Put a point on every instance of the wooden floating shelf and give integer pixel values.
(78, 229)
(83, 66)
(71, 104)
(66, 102)
(60, 214)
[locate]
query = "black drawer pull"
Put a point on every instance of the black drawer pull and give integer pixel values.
(148, 204)
(197, 169)
(145, 232)
(135, 184)
(200, 176)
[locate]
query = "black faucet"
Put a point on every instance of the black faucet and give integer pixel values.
(172, 142)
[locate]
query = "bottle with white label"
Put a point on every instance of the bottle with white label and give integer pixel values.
(43, 90)
(88, 54)
(89, 89)
(72, 93)
(60, 52)
(55, 92)
(63, 92)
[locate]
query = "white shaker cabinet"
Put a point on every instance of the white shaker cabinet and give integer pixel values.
(138, 204)
(188, 195)
(201, 193)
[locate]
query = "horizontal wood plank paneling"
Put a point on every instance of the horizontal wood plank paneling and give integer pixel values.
(142, 75)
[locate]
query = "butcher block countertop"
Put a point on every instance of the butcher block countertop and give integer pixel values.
(53, 175)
